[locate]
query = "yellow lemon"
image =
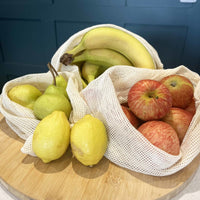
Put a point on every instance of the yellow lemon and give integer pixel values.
(51, 137)
(88, 140)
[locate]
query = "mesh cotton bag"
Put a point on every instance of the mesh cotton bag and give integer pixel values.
(76, 38)
(21, 119)
(128, 147)
(101, 98)
(79, 106)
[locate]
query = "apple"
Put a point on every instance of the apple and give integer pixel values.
(162, 135)
(149, 99)
(131, 117)
(180, 120)
(191, 108)
(181, 90)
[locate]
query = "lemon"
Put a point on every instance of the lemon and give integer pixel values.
(51, 137)
(88, 140)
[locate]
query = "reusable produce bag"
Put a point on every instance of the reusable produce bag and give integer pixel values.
(76, 38)
(101, 98)
(79, 106)
(128, 147)
(22, 119)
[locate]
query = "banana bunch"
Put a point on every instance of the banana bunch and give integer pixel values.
(103, 47)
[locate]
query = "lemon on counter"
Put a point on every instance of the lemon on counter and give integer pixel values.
(51, 137)
(88, 140)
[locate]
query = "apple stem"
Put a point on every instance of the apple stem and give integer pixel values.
(173, 84)
(52, 72)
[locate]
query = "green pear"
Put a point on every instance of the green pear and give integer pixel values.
(59, 80)
(61, 84)
(52, 89)
(53, 99)
(24, 95)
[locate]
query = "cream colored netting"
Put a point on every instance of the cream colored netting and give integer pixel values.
(102, 98)
(127, 147)
(76, 38)
(22, 120)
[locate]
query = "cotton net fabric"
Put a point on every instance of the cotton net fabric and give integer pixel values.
(127, 147)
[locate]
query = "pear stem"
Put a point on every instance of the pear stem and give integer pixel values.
(51, 70)
(54, 69)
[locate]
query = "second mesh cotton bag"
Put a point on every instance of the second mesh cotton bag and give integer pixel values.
(127, 146)
(103, 96)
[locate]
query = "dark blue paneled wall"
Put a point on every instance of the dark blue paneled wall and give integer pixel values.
(32, 30)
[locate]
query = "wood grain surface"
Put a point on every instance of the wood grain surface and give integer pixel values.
(28, 177)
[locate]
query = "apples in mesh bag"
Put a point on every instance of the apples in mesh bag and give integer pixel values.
(102, 98)
(127, 146)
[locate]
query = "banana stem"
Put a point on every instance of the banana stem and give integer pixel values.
(52, 72)
(66, 59)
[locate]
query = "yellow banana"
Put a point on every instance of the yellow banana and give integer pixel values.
(118, 40)
(91, 71)
(102, 57)
(83, 83)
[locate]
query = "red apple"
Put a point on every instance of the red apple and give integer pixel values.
(149, 99)
(191, 108)
(180, 120)
(162, 135)
(131, 117)
(181, 90)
